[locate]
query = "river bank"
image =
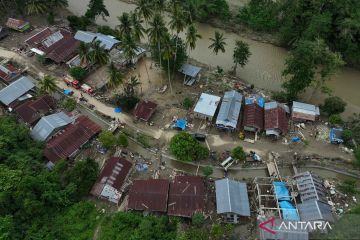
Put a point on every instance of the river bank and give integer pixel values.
(265, 66)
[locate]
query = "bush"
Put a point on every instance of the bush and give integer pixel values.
(78, 23)
(41, 59)
(348, 186)
(335, 119)
(127, 103)
(107, 30)
(207, 171)
(238, 153)
(347, 137)
(188, 103)
(107, 139)
(78, 73)
(143, 140)
(357, 155)
(198, 219)
(122, 140)
(280, 96)
(186, 148)
(68, 104)
(333, 105)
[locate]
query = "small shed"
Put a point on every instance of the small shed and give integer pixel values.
(3, 32)
(302, 112)
(229, 112)
(149, 195)
(232, 200)
(315, 211)
(144, 110)
(191, 74)
(48, 125)
(276, 119)
(17, 24)
(8, 72)
(15, 90)
(85, 36)
(206, 106)
(335, 135)
(254, 114)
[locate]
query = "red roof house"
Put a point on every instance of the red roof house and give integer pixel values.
(59, 45)
(31, 111)
(144, 110)
(149, 195)
(111, 180)
(67, 143)
(253, 117)
(8, 72)
(17, 24)
(276, 119)
(186, 196)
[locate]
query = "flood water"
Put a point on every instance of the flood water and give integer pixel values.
(264, 67)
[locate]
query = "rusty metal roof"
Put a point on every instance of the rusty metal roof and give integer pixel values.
(253, 116)
(149, 195)
(186, 196)
(68, 141)
(276, 118)
(144, 110)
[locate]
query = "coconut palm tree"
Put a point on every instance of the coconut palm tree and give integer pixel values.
(84, 50)
(156, 32)
(168, 53)
(125, 24)
(144, 10)
(47, 84)
(191, 37)
(241, 54)
(137, 26)
(218, 43)
(98, 53)
(177, 23)
(115, 76)
(130, 86)
(36, 7)
(159, 5)
(53, 4)
(128, 45)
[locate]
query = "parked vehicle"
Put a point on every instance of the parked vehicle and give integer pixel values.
(227, 163)
(71, 82)
(87, 89)
(200, 137)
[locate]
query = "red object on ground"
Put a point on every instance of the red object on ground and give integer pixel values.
(144, 110)
(66, 143)
(186, 196)
(72, 82)
(149, 195)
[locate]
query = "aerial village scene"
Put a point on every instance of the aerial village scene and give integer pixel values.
(179, 119)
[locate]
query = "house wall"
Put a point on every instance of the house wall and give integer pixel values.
(230, 217)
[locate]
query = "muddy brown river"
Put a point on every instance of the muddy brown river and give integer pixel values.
(264, 67)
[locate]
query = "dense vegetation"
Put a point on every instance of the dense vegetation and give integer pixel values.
(186, 148)
(35, 202)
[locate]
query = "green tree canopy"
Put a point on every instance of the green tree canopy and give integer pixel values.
(186, 148)
(241, 54)
(107, 139)
(238, 153)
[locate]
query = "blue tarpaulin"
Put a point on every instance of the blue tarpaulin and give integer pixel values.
(181, 123)
(255, 99)
(295, 139)
(117, 110)
(141, 167)
(67, 92)
(281, 191)
(288, 211)
(336, 135)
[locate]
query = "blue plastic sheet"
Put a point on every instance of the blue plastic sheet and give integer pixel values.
(288, 211)
(181, 123)
(67, 92)
(117, 110)
(141, 167)
(295, 139)
(336, 135)
(281, 191)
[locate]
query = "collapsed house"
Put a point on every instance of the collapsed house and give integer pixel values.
(66, 143)
(8, 72)
(144, 110)
(149, 195)
(17, 24)
(314, 204)
(49, 125)
(302, 112)
(229, 112)
(276, 119)
(17, 92)
(58, 45)
(232, 201)
(206, 106)
(186, 196)
(110, 183)
(253, 120)
(191, 74)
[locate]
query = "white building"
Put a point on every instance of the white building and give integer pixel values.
(206, 106)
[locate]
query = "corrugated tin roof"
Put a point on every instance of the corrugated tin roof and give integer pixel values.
(16, 89)
(149, 195)
(275, 117)
(49, 124)
(37, 38)
(16, 24)
(232, 197)
(282, 233)
(108, 42)
(229, 110)
(31, 111)
(315, 210)
(304, 111)
(253, 116)
(53, 38)
(190, 70)
(207, 104)
(85, 36)
(186, 196)
(310, 187)
(144, 110)
(68, 141)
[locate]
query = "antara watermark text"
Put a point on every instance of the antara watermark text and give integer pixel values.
(308, 226)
